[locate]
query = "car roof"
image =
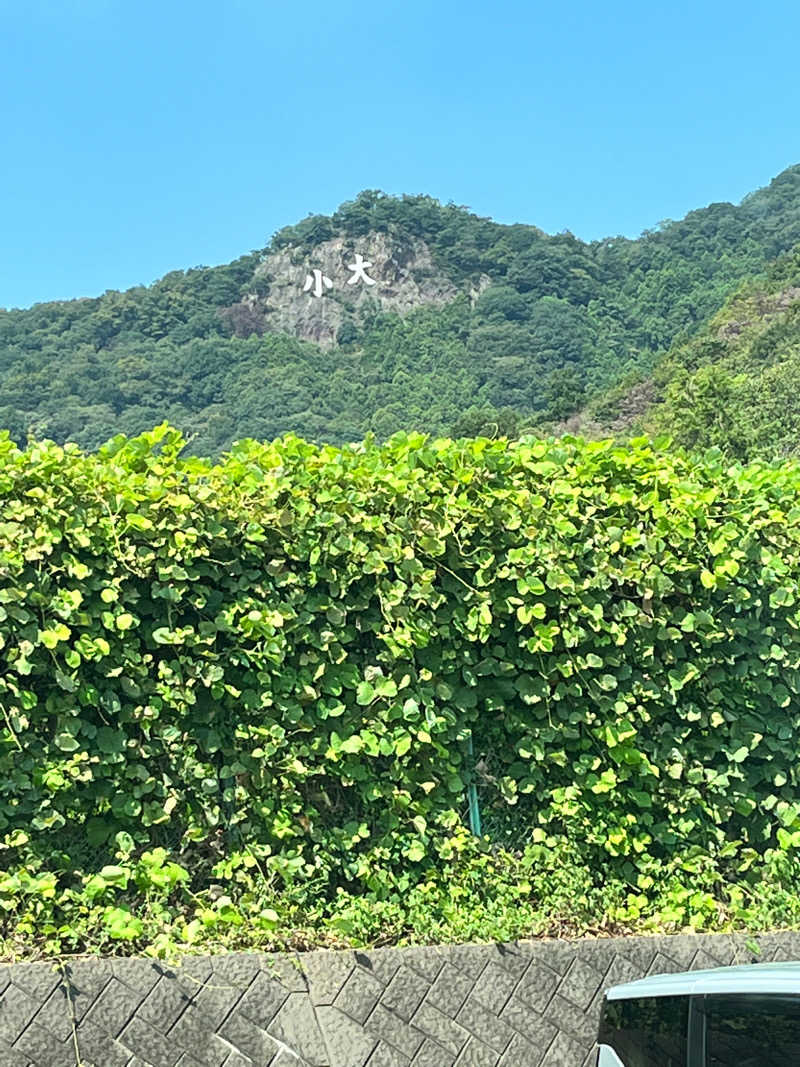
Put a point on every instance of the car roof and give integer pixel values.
(748, 978)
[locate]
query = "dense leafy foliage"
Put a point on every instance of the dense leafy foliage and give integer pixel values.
(250, 690)
(560, 322)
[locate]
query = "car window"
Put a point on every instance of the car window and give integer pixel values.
(752, 1030)
(647, 1031)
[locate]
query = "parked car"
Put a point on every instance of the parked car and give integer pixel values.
(727, 1017)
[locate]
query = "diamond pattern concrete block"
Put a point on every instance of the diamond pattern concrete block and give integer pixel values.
(426, 961)
(187, 1060)
(250, 1040)
(720, 946)
(639, 951)
(790, 948)
(98, 1047)
(662, 943)
(238, 1059)
(483, 1024)
(532, 1026)
(9, 1057)
(382, 963)
(386, 1056)
(114, 1007)
(571, 1020)
(263, 1000)
(44, 1049)
(742, 950)
(620, 971)
(55, 1014)
(387, 1026)
(163, 1005)
(521, 1053)
(790, 951)
(235, 971)
(326, 973)
(731, 952)
(5, 977)
(681, 950)
(537, 986)
(431, 1022)
(470, 959)
(596, 1007)
(514, 958)
(296, 1026)
(347, 1042)
(580, 984)
(662, 964)
(782, 946)
(192, 974)
(777, 946)
(37, 979)
(704, 960)
(146, 1042)
(493, 988)
(558, 955)
(85, 980)
(17, 1008)
(593, 1016)
(287, 1059)
(564, 1052)
(432, 1054)
(405, 993)
(217, 999)
(359, 995)
(191, 1033)
(449, 991)
(597, 952)
(287, 969)
(476, 1054)
(140, 975)
(746, 949)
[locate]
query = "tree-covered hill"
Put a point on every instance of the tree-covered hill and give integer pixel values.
(493, 325)
(732, 386)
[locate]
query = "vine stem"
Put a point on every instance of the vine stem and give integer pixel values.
(11, 728)
(65, 979)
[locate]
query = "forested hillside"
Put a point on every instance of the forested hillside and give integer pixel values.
(735, 386)
(472, 325)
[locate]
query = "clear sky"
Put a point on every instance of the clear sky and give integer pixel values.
(141, 137)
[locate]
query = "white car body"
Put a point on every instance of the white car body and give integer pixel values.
(720, 1005)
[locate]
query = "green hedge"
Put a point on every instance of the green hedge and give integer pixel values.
(279, 662)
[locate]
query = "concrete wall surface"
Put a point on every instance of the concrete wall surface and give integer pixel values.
(526, 1004)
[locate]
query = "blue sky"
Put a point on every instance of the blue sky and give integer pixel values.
(142, 137)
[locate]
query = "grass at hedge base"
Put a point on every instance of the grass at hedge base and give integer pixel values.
(155, 907)
(236, 700)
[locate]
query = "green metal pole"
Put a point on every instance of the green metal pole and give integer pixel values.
(472, 797)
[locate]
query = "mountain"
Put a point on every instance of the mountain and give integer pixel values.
(470, 326)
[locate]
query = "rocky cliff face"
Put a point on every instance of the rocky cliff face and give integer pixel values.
(315, 295)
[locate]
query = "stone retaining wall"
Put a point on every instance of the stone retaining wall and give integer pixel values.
(526, 1004)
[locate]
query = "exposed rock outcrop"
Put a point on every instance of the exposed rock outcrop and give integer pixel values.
(289, 297)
